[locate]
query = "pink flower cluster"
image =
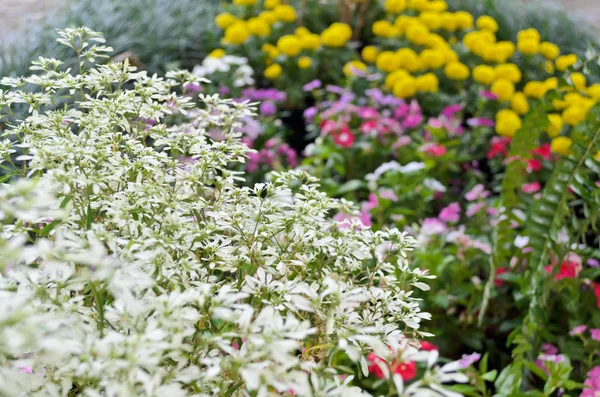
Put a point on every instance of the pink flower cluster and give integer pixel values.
(274, 153)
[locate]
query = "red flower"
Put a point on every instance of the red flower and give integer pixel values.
(596, 287)
(568, 269)
(368, 126)
(435, 150)
(327, 126)
(499, 282)
(407, 370)
(543, 151)
(531, 187)
(344, 137)
(534, 165)
(428, 346)
(499, 145)
(375, 365)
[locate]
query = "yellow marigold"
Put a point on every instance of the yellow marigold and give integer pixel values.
(225, 20)
(549, 50)
(597, 156)
(387, 61)
(555, 126)
(273, 71)
(530, 33)
(561, 145)
(351, 67)
(504, 50)
(383, 28)
(285, 13)
(448, 21)
(432, 59)
(237, 33)
(563, 62)
(218, 53)
(428, 82)
(574, 114)
(535, 89)
(270, 50)
(484, 74)
(417, 4)
(408, 59)
(417, 33)
(593, 91)
(504, 89)
(437, 6)
(304, 62)
(393, 77)
(549, 67)
(508, 71)
(369, 54)
(301, 31)
(289, 45)
(478, 42)
(507, 123)
(486, 22)
(395, 6)
(431, 19)
(403, 22)
(528, 46)
(405, 87)
(436, 41)
(457, 71)
(271, 4)
(464, 20)
(336, 35)
(310, 42)
(259, 27)
(579, 81)
(244, 2)
(269, 17)
(519, 103)
(551, 83)
(450, 55)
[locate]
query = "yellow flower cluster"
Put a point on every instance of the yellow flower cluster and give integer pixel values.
(336, 35)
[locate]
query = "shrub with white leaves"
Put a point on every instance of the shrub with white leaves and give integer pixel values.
(131, 264)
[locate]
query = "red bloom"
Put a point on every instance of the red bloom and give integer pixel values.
(534, 165)
(436, 150)
(499, 282)
(344, 137)
(531, 187)
(368, 126)
(375, 364)
(407, 370)
(543, 151)
(596, 287)
(327, 126)
(568, 269)
(498, 148)
(428, 346)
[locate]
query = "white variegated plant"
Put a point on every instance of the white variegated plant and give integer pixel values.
(131, 264)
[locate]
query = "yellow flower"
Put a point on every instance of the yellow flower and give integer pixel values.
(269, 17)
(408, 59)
(597, 156)
(549, 50)
(259, 27)
(405, 87)
(432, 59)
(555, 126)
(369, 54)
(285, 13)
(417, 4)
(351, 67)
(273, 71)
(457, 71)
(301, 31)
(551, 83)
(579, 81)
(563, 62)
(431, 19)
(417, 33)
(593, 91)
(218, 53)
(530, 33)
(535, 89)
(479, 41)
(503, 50)
(561, 145)
(428, 83)
(549, 67)
(486, 22)
(507, 123)
(336, 35)
(403, 22)
(464, 20)
(383, 28)
(271, 4)
(395, 6)
(574, 114)
(387, 61)
(289, 45)
(528, 46)
(225, 20)
(393, 77)
(237, 33)
(244, 2)
(304, 62)
(484, 74)
(436, 6)
(504, 89)
(519, 103)
(270, 50)
(310, 42)
(508, 71)
(448, 21)
(450, 55)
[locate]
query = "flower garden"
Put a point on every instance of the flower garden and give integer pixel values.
(338, 198)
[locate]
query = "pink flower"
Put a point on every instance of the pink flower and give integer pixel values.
(580, 329)
(534, 165)
(26, 370)
(543, 151)
(469, 359)
(475, 208)
(592, 383)
(372, 203)
(434, 149)
(499, 145)
(549, 348)
(595, 332)
(451, 213)
(531, 187)
(450, 111)
(478, 191)
(489, 95)
(368, 126)
(328, 126)
(481, 122)
(432, 226)
(412, 121)
(344, 138)
(388, 194)
(367, 112)
(428, 346)
(402, 141)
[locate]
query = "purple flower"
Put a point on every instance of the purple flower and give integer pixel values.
(489, 95)
(193, 87)
(595, 332)
(267, 108)
(549, 348)
(310, 113)
(313, 85)
(451, 213)
(580, 329)
(224, 90)
(469, 359)
(449, 111)
(335, 89)
(593, 262)
(481, 122)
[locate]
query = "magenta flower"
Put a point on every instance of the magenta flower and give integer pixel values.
(475, 208)
(451, 213)
(481, 122)
(477, 192)
(310, 113)
(450, 111)
(432, 226)
(595, 333)
(580, 329)
(533, 187)
(367, 112)
(388, 194)
(267, 108)
(402, 141)
(549, 348)
(433, 149)
(412, 121)
(313, 85)
(469, 359)
(592, 383)
(489, 95)
(368, 126)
